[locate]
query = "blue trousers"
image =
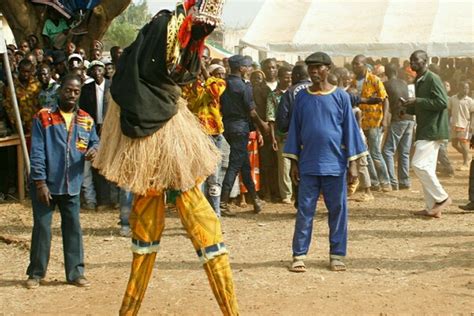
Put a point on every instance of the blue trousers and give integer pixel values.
(126, 199)
(334, 189)
(377, 167)
(399, 139)
(73, 250)
(238, 162)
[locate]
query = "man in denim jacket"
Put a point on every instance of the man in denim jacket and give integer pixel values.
(62, 138)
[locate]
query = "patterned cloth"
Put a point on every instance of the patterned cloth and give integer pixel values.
(27, 97)
(207, 106)
(372, 114)
(272, 104)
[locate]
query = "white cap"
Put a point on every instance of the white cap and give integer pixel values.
(213, 67)
(75, 55)
(96, 63)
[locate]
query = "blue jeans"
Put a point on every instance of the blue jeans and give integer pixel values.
(73, 250)
(377, 168)
(126, 199)
(88, 188)
(238, 162)
(334, 190)
(212, 187)
(399, 139)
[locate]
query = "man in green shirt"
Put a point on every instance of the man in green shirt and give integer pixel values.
(430, 107)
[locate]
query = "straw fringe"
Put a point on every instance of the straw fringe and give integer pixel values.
(176, 157)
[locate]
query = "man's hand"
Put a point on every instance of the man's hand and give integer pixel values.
(372, 100)
(274, 144)
(294, 172)
(353, 174)
(42, 193)
(260, 140)
(91, 153)
(409, 102)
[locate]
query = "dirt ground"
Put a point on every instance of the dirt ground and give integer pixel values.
(397, 263)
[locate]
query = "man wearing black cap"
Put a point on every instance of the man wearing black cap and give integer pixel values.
(237, 106)
(322, 140)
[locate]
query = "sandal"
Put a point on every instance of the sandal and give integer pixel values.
(336, 264)
(297, 266)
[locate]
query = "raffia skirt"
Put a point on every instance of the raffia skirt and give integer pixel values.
(176, 157)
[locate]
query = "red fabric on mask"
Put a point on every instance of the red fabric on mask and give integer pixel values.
(188, 4)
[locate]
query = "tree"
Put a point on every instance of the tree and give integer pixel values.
(124, 28)
(26, 18)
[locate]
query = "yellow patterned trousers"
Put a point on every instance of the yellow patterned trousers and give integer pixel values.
(203, 228)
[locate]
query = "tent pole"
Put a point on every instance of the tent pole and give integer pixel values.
(19, 125)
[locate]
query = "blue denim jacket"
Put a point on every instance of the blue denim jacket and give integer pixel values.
(57, 155)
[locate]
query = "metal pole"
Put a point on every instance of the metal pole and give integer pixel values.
(19, 126)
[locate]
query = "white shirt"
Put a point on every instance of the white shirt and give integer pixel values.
(461, 110)
(99, 93)
(272, 85)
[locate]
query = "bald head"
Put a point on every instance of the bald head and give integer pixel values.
(360, 59)
(419, 62)
(359, 65)
(420, 54)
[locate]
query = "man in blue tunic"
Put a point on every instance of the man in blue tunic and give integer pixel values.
(323, 142)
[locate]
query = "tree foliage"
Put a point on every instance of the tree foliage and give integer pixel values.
(125, 27)
(26, 18)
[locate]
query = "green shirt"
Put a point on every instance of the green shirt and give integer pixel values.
(431, 108)
(51, 30)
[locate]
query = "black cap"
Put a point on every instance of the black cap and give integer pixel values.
(318, 58)
(237, 61)
(58, 57)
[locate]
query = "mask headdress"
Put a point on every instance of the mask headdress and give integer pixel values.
(202, 14)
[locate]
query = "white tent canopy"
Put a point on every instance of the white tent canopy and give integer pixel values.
(391, 28)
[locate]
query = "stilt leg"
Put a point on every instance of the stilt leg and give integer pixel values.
(142, 266)
(147, 223)
(220, 278)
(204, 229)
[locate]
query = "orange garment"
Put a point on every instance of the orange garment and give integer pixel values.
(252, 148)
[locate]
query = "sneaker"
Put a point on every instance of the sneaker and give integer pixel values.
(226, 212)
(80, 282)
(125, 231)
(386, 188)
(376, 188)
(88, 206)
(404, 187)
(286, 201)
(102, 208)
(32, 283)
(365, 198)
